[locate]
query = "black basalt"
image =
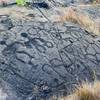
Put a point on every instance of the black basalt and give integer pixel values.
(49, 62)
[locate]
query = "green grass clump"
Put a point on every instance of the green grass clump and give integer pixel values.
(21, 2)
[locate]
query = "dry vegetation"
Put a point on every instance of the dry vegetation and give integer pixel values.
(87, 91)
(97, 1)
(74, 15)
(71, 14)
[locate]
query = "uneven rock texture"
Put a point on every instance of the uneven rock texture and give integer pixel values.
(41, 59)
(54, 2)
(7, 93)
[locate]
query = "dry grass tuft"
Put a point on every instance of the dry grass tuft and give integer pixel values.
(74, 15)
(87, 91)
(96, 1)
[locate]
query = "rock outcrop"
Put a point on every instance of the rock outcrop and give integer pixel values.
(41, 58)
(44, 59)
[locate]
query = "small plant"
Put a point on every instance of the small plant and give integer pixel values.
(21, 2)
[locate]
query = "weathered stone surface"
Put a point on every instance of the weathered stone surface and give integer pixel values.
(7, 93)
(5, 23)
(39, 59)
(45, 58)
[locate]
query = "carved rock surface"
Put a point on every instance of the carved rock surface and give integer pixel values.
(40, 59)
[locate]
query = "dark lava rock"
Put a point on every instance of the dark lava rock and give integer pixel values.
(55, 59)
(41, 5)
(5, 23)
